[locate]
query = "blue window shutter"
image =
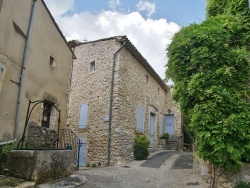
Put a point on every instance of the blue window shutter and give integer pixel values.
(140, 118)
(83, 116)
(1, 71)
(161, 125)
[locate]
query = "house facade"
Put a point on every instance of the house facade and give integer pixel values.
(114, 94)
(35, 63)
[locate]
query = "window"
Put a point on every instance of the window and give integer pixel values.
(158, 91)
(140, 118)
(1, 71)
(146, 79)
(83, 120)
(92, 66)
(1, 3)
(47, 106)
(52, 61)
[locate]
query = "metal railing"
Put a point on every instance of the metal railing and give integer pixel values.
(70, 140)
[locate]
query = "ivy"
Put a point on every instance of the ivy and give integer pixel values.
(209, 64)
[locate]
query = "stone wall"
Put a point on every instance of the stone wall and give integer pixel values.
(171, 107)
(40, 166)
(223, 178)
(133, 85)
(40, 137)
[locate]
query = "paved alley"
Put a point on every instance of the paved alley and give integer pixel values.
(165, 169)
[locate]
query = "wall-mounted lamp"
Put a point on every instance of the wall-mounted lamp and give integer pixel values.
(169, 111)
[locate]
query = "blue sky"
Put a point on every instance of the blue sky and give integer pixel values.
(149, 24)
(182, 12)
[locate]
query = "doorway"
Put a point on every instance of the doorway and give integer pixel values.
(152, 129)
(169, 126)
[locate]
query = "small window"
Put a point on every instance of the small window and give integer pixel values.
(47, 106)
(146, 79)
(1, 3)
(92, 66)
(158, 91)
(140, 118)
(52, 61)
(83, 120)
(1, 71)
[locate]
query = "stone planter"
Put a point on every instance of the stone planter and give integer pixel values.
(40, 165)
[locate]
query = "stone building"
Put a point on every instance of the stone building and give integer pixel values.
(35, 63)
(106, 112)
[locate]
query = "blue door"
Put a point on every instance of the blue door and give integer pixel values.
(169, 126)
(152, 129)
(82, 157)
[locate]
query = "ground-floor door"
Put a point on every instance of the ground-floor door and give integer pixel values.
(169, 126)
(152, 129)
(82, 151)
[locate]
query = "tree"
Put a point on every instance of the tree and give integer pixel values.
(209, 64)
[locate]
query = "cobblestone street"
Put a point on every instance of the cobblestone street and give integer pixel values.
(165, 169)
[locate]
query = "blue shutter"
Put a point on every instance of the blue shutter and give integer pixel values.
(161, 125)
(1, 71)
(140, 118)
(83, 116)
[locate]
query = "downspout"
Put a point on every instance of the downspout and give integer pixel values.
(26, 48)
(111, 99)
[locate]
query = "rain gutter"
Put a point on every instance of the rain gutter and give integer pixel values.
(111, 98)
(24, 61)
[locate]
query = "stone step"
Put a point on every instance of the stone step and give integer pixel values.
(171, 145)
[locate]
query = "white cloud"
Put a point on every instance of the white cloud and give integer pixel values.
(113, 4)
(146, 6)
(59, 7)
(149, 36)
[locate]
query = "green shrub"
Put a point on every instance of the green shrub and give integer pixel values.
(242, 184)
(142, 140)
(141, 147)
(5, 150)
(140, 152)
(165, 136)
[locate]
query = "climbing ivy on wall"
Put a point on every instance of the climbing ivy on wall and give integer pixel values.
(209, 64)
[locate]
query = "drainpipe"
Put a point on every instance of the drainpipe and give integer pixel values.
(111, 99)
(26, 48)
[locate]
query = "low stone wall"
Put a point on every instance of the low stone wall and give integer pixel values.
(223, 178)
(122, 150)
(40, 137)
(40, 165)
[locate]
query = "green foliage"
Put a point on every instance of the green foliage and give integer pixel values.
(188, 136)
(6, 149)
(140, 152)
(209, 66)
(165, 136)
(141, 147)
(141, 139)
(242, 184)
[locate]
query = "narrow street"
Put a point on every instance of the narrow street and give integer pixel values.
(165, 169)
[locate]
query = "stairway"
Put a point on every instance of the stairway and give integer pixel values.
(172, 143)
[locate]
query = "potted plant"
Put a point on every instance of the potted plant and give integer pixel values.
(165, 137)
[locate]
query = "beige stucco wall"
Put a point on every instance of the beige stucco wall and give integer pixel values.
(41, 80)
(130, 90)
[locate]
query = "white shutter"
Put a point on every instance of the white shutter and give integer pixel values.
(83, 121)
(140, 118)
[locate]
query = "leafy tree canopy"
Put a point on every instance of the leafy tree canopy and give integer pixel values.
(209, 64)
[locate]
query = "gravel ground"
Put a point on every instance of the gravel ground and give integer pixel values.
(133, 175)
